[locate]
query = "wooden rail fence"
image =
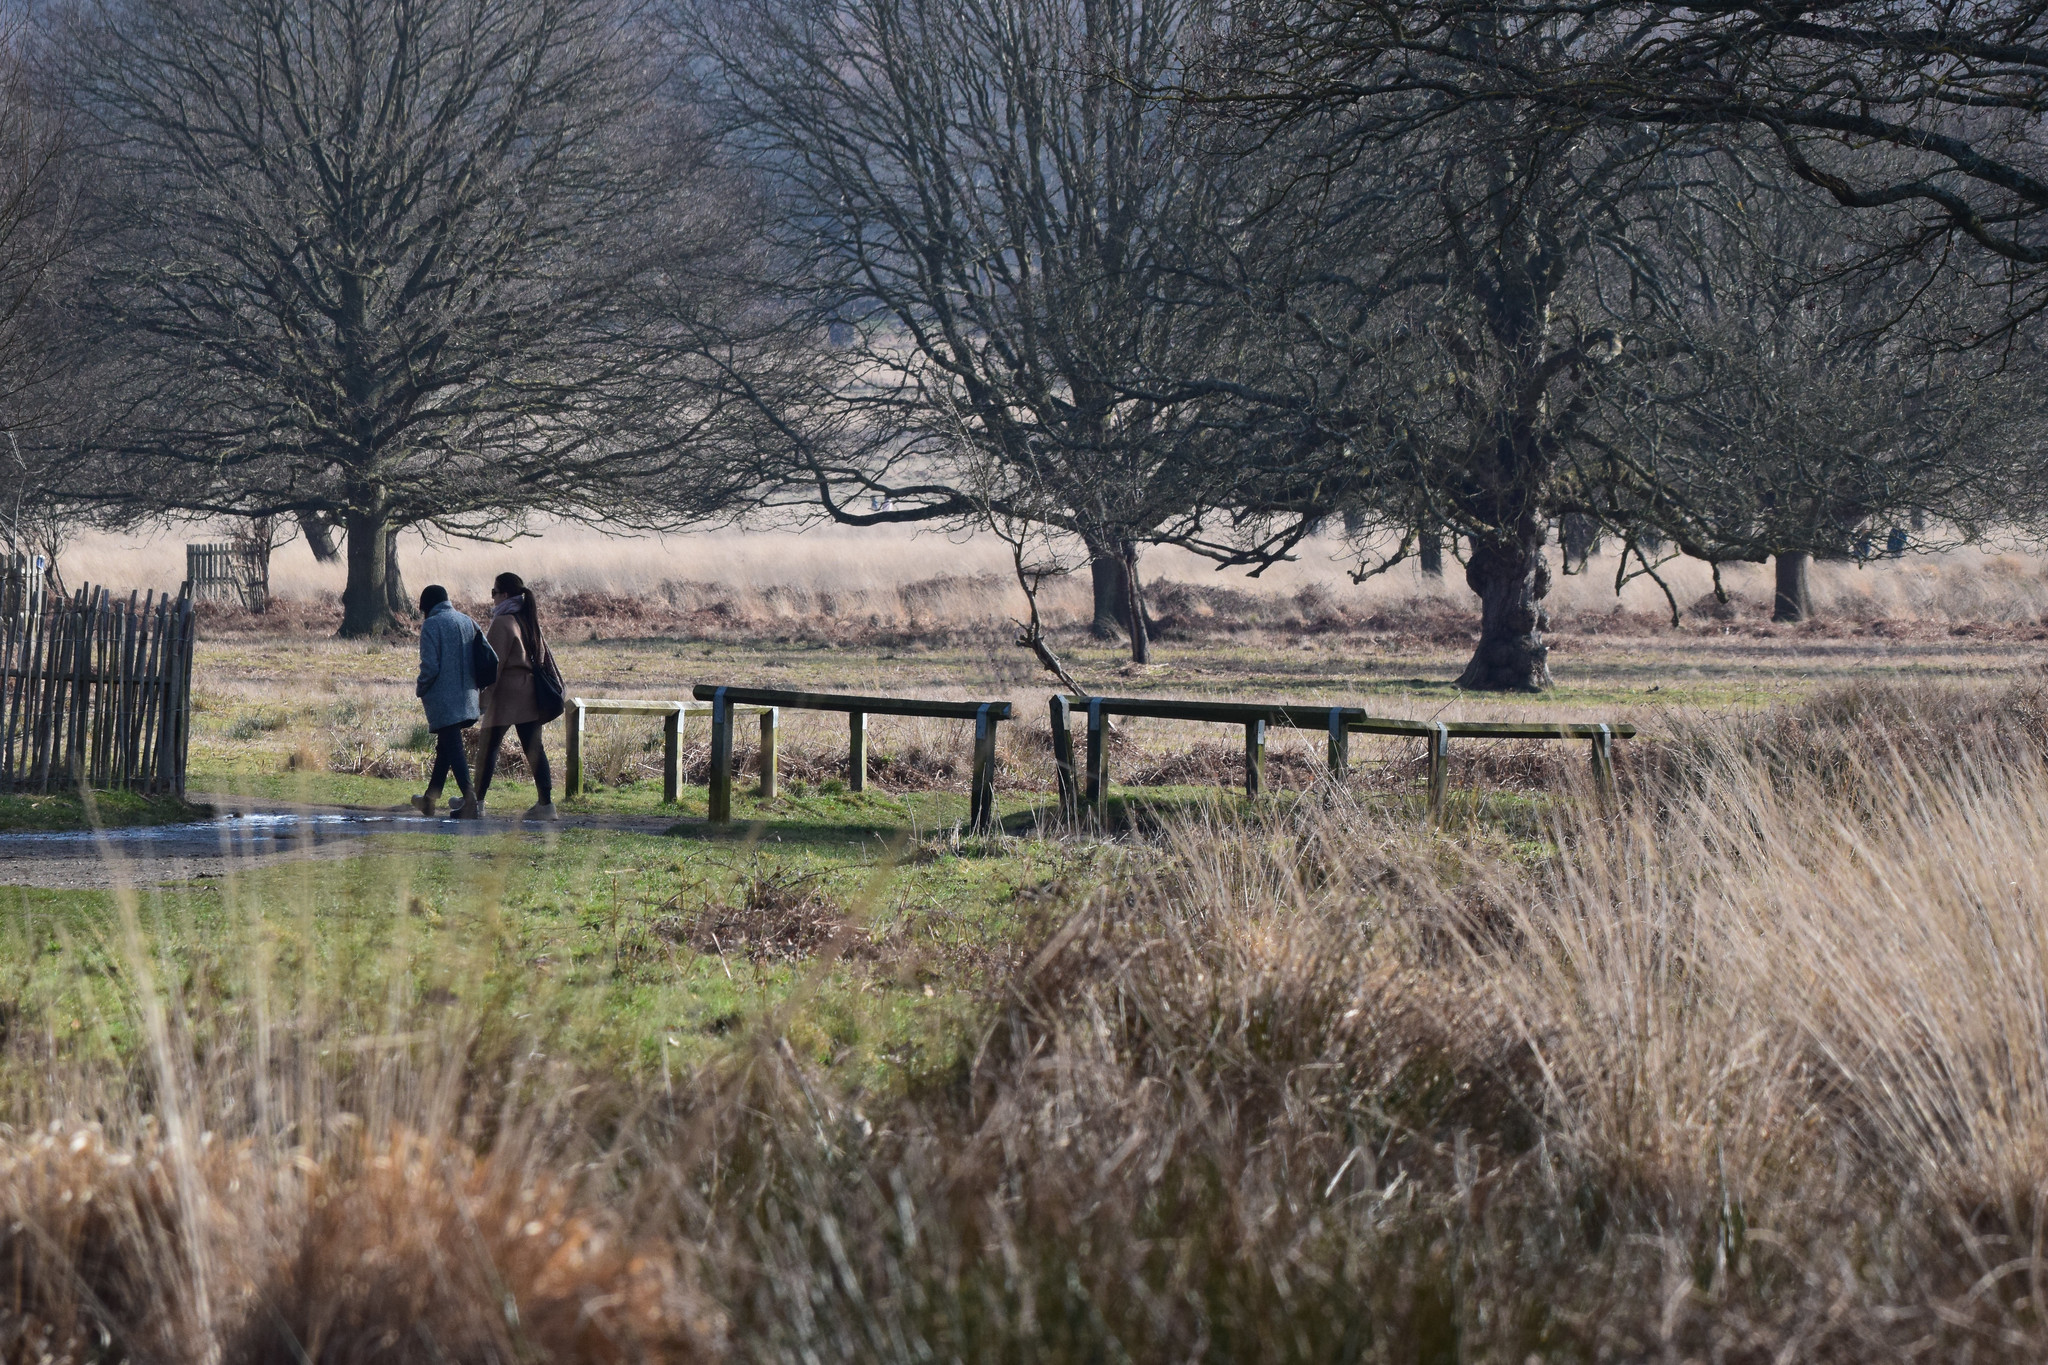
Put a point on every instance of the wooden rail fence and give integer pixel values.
(97, 690)
(985, 715)
(1083, 787)
(1339, 723)
(672, 714)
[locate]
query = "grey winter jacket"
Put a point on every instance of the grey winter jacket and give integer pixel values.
(447, 681)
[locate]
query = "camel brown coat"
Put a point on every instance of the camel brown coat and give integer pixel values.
(510, 701)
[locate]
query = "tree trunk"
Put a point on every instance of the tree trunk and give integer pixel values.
(1794, 600)
(365, 605)
(1430, 547)
(1134, 607)
(1512, 578)
(319, 537)
(395, 595)
(1112, 594)
(1581, 535)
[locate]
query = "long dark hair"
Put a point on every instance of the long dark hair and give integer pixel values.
(512, 585)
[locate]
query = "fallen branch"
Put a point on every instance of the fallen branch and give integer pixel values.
(1033, 639)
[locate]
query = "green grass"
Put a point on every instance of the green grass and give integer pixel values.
(572, 933)
(110, 810)
(561, 923)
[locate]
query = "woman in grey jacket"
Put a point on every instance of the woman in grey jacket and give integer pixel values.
(447, 687)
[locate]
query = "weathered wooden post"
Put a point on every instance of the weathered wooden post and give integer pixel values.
(721, 759)
(1439, 743)
(769, 757)
(857, 751)
(1254, 756)
(1098, 757)
(1063, 755)
(1340, 746)
(981, 806)
(572, 744)
(1603, 762)
(672, 755)
(188, 630)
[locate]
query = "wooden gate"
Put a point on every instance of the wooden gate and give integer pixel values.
(229, 571)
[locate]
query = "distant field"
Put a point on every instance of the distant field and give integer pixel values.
(838, 611)
(903, 577)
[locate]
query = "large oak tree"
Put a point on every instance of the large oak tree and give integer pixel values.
(1014, 247)
(395, 263)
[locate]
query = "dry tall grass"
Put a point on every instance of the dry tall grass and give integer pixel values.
(896, 581)
(1755, 1068)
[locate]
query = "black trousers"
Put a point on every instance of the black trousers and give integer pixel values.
(449, 757)
(536, 758)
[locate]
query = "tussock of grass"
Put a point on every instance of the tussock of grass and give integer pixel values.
(388, 1247)
(776, 916)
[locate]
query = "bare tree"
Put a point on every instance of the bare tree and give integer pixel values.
(38, 238)
(1526, 295)
(1925, 117)
(1001, 226)
(387, 263)
(1814, 417)
(1495, 285)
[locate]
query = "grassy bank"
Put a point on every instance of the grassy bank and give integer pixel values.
(107, 810)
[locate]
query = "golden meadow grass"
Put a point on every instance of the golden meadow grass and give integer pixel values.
(862, 573)
(1753, 1067)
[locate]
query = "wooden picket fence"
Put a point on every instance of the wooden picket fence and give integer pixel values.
(98, 690)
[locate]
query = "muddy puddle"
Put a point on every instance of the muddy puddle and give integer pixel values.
(238, 836)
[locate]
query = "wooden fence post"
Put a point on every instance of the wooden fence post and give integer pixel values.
(572, 745)
(769, 756)
(186, 634)
(721, 759)
(1340, 746)
(981, 805)
(1603, 763)
(1439, 743)
(1254, 757)
(672, 755)
(1098, 757)
(150, 739)
(856, 751)
(1063, 755)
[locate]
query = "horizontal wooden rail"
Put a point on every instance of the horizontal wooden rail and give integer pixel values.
(672, 713)
(1292, 715)
(1255, 717)
(872, 706)
(1337, 722)
(985, 715)
(1493, 729)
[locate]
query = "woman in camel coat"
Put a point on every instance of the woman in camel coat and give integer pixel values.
(510, 704)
